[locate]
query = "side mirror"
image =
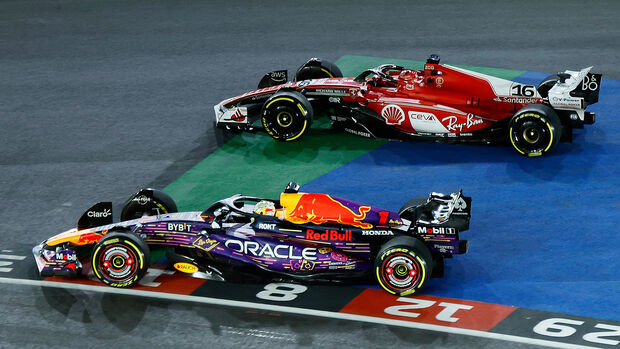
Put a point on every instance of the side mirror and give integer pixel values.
(433, 59)
(292, 187)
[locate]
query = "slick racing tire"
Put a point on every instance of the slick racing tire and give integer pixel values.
(148, 202)
(120, 259)
(535, 130)
(287, 115)
(317, 68)
(547, 84)
(411, 210)
(403, 265)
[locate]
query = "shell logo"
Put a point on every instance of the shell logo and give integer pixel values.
(393, 114)
(185, 267)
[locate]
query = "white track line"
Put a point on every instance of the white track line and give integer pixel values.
(11, 257)
(287, 309)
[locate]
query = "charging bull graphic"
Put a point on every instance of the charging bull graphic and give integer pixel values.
(322, 208)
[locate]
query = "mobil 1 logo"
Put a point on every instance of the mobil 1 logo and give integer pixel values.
(561, 328)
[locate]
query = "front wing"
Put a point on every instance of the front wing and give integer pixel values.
(57, 262)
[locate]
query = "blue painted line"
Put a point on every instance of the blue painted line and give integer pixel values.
(544, 231)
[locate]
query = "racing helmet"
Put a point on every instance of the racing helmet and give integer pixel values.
(265, 207)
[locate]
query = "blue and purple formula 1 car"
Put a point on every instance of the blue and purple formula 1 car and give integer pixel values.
(301, 237)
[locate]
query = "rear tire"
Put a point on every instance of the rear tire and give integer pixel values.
(403, 265)
(547, 84)
(148, 202)
(287, 115)
(410, 209)
(317, 68)
(535, 130)
(120, 259)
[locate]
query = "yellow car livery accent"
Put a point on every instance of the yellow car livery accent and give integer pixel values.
(75, 237)
(185, 267)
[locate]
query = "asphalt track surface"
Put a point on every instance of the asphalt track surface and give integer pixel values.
(98, 99)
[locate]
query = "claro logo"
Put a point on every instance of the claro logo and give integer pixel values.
(96, 214)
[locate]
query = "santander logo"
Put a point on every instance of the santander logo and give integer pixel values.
(393, 114)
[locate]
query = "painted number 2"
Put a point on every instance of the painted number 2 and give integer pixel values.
(281, 292)
(446, 314)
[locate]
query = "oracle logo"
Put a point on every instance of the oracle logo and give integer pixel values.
(393, 114)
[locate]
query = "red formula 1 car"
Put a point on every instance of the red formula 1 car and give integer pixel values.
(439, 103)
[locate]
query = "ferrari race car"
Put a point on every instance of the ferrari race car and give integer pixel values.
(300, 237)
(440, 103)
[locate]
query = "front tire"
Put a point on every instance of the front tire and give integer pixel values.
(120, 259)
(535, 130)
(287, 115)
(403, 265)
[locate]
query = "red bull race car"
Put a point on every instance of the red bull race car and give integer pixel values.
(439, 103)
(302, 236)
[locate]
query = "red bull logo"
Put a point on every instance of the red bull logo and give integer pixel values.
(322, 208)
(76, 237)
(329, 235)
(89, 238)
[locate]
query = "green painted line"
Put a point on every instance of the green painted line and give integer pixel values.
(257, 165)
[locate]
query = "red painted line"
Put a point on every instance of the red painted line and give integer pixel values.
(295, 310)
(169, 282)
(429, 310)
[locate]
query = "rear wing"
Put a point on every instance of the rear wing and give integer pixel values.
(575, 90)
(452, 210)
(455, 204)
(450, 216)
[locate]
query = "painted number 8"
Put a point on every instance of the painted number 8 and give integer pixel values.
(281, 292)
